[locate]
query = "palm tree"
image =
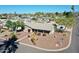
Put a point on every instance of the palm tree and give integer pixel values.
(72, 8)
(9, 46)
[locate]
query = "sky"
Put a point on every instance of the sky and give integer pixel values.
(35, 8)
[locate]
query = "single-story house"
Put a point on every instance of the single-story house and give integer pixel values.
(40, 27)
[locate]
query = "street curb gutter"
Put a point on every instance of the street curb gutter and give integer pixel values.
(50, 49)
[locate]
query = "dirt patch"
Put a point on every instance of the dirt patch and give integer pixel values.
(56, 40)
(53, 41)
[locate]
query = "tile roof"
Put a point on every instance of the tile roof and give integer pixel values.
(42, 26)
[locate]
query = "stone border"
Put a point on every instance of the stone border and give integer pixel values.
(50, 49)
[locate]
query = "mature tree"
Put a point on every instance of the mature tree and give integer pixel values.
(15, 25)
(38, 14)
(22, 25)
(0, 16)
(64, 13)
(34, 19)
(69, 14)
(8, 24)
(72, 8)
(11, 25)
(5, 14)
(56, 13)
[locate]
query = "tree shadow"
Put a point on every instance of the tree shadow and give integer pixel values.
(9, 46)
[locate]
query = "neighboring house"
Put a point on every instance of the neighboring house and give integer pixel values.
(13, 20)
(26, 19)
(3, 20)
(57, 17)
(40, 27)
(1, 25)
(3, 17)
(44, 19)
(40, 19)
(16, 18)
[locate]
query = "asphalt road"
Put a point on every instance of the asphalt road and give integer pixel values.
(74, 47)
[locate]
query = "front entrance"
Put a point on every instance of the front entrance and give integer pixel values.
(29, 30)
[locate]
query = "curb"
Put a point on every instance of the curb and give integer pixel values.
(50, 49)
